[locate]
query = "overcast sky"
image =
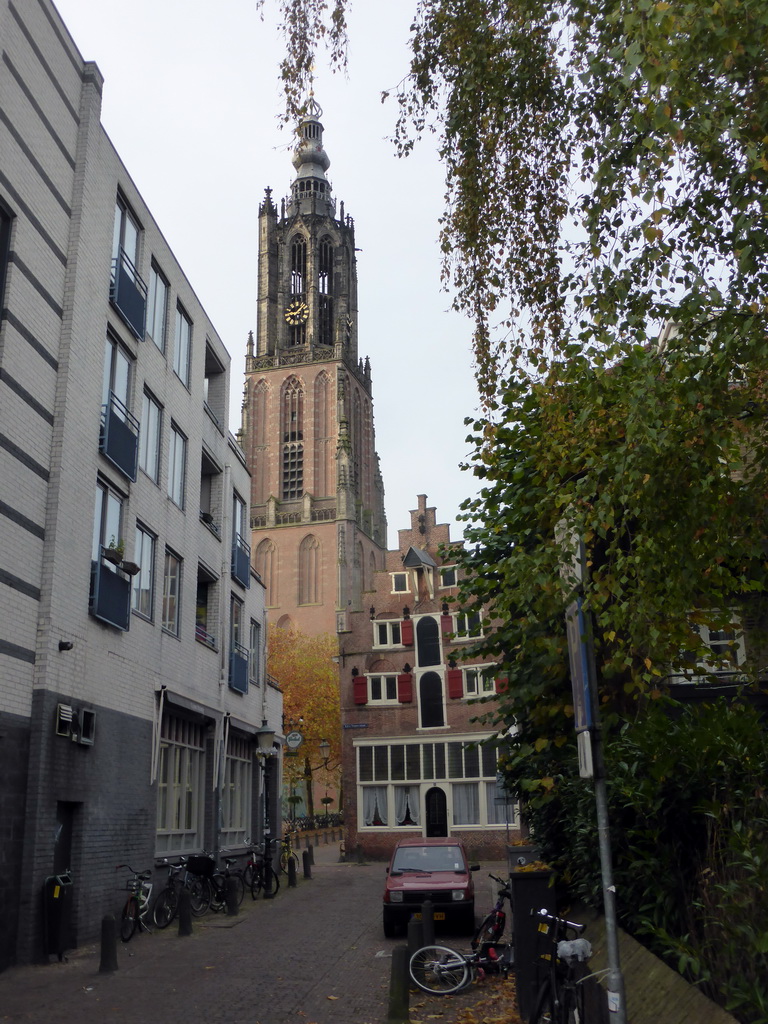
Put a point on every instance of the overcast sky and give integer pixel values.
(192, 104)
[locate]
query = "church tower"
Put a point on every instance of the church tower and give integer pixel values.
(318, 526)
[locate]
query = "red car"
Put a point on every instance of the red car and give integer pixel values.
(429, 869)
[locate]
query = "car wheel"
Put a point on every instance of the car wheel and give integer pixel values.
(390, 925)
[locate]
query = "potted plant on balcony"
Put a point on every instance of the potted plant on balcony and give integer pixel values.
(115, 551)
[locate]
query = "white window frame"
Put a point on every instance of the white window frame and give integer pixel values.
(150, 436)
(143, 583)
(181, 786)
(478, 680)
(385, 685)
(182, 348)
(395, 576)
(461, 623)
(172, 581)
(177, 466)
(393, 631)
(236, 791)
(445, 569)
(157, 307)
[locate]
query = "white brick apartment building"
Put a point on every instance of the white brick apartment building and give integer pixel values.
(133, 694)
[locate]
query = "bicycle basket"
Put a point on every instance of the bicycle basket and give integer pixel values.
(204, 866)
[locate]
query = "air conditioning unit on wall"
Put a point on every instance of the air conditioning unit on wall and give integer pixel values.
(78, 725)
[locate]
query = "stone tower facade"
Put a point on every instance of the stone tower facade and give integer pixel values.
(317, 500)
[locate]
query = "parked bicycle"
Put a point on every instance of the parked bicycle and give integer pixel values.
(221, 880)
(167, 903)
(560, 998)
(492, 926)
(137, 905)
(441, 970)
(287, 854)
(259, 874)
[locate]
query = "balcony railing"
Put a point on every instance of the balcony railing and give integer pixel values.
(119, 439)
(238, 668)
(110, 599)
(204, 637)
(128, 294)
(241, 561)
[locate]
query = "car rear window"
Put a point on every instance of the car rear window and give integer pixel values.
(428, 858)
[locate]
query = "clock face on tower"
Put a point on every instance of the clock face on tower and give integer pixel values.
(297, 312)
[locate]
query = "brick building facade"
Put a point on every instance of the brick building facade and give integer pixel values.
(414, 761)
(317, 499)
(133, 699)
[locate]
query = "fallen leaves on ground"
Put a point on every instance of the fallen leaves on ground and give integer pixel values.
(491, 1001)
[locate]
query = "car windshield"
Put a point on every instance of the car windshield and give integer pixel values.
(428, 858)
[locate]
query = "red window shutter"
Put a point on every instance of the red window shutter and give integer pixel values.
(360, 690)
(446, 624)
(405, 688)
(502, 682)
(406, 632)
(455, 683)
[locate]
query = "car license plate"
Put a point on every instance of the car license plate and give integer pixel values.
(436, 916)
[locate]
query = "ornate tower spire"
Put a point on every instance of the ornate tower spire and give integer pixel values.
(311, 190)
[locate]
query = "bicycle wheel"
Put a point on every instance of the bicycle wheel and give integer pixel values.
(248, 875)
(199, 896)
(544, 1013)
(129, 918)
(164, 910)
(239, 881)
(257, 881)
(271, 880)
(439, 970)
(488, 931)
(285, 860)
(218, 892)
(572, 1011)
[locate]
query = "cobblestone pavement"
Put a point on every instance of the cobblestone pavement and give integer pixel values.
(313, 955)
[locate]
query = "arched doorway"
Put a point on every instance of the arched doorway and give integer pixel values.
(436, 812)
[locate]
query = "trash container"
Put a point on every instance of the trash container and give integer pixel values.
(57, 913)
(531, 892)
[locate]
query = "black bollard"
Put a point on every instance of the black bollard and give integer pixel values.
(306, 857)
(428, 922)
(311, 852)
(291, 873)
(185, 913)
(108, 945)
(230, 895)
(415, 936)
(398, 987)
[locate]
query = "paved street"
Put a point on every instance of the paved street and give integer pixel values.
(314, 954)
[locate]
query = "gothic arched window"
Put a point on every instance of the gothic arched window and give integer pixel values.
(265, 561)
(325, 291)
(259, 406)
(298, 266)
(427, 641)
(431, 701)
(292, 418)
(323, 483)
(309, 570)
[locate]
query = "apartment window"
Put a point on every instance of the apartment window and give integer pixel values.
(126, 235)
(254, 653)
(214, 386)
(180, 786)
(466, 803)
(144, 580)
(500, 807)
(149, 437)
(375, 805)
(478, 681)
(157, 311)
(387, 634)
(107, 524)
(468, 625)
(399, 582)
(382, 689)
(171, 593)
(205, 619)
(236, 791)
(239, 655)
(117, 375)
(448, 576)
(177, 465)
(183, 346)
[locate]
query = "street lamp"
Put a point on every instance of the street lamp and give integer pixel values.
(325, 750)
